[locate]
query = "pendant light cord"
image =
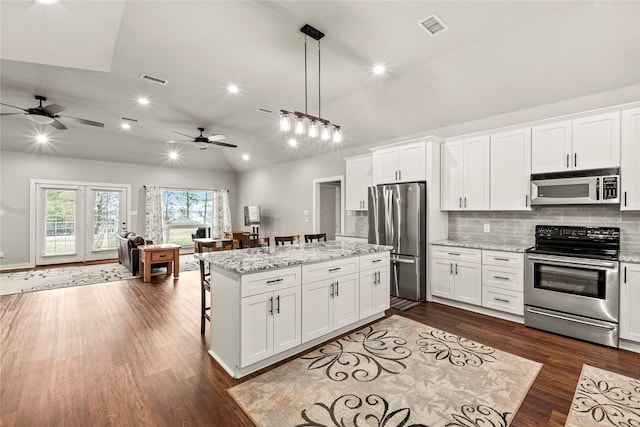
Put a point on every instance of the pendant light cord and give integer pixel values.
(319, 110)
(305, 75)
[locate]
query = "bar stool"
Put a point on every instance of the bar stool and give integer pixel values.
(321, 237)
(254, 243)
(281, 240)
(205, 286)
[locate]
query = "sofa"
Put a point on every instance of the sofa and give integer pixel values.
(128, 252)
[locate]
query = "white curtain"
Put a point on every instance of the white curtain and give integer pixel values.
(221, 213)
(153, 214)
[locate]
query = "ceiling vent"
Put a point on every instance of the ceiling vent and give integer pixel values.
(264, 110)
(432, 25)
(158, 80)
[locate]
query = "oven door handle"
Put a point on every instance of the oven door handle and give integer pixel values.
(572, 261)
(570, 319)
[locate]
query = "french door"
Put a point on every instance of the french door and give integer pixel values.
(78, 222)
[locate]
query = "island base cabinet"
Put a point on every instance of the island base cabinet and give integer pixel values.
(269, 324)
(374, 291)
(328, 305)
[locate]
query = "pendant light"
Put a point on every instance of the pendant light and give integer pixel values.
(305, 123)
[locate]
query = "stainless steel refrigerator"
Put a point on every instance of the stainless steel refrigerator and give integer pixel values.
(398, 218)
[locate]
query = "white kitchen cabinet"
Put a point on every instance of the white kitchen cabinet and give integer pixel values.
(457, 274)
(465, 166)
(511, 170)
(359, 179)
(503, 281)
(374, 284)
(399, 163)
(629, 297)
(590, 142)
(330, 296)
(269, 324)
(328, 305)
(630, 160)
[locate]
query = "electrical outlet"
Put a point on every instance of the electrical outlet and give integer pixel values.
(487, 228)
(1, 254)
(306, 219)
(305, 212)
(1, 212)
(134, 213)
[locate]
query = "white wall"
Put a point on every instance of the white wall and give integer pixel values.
(16, 170)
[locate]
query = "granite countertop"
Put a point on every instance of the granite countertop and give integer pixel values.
(268, 258)
(352, 235)
(626, 256)
(505, 247)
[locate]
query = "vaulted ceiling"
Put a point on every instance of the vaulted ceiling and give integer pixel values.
(495, 57)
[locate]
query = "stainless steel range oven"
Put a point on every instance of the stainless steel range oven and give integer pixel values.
(572, 282)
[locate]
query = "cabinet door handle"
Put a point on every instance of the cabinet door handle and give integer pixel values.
(502, 300)
(450, 268)
(278, 304)
(460, 202)
(526, 200)
(396, 175)
(465, 201)
(501, 259)
(453, 253)
(275, 280)
(331, 292)
(400, 175)
(575, 160)
(271, 306)
(376, 260)
(456, 268)
(625, 198)
(500, 277)
(334, 269)
(377, 278)
(625, 275)
(567, 160)
(337, 289)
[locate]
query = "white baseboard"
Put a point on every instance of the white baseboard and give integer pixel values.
(4, 268)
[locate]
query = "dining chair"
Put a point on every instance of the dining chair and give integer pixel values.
(254, 243)
(205, 286)
(320, 237)
(283, 240)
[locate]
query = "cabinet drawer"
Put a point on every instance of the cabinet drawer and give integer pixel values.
(378, 260)
(503, 300)
(269, 281)
(329, 269)
(505, 259)
(455, 253)
(503, 277)
(162, 256)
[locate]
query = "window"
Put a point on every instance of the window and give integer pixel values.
(183, 212)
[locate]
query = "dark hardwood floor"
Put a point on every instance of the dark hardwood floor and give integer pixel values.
(130, 354)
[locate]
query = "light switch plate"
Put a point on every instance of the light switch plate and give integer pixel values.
(1, 212)
(134, 213)
(487, 228)
(305, 212)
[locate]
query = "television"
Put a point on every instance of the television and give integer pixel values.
(251, 215)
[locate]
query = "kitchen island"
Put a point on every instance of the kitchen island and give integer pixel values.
(270, 303)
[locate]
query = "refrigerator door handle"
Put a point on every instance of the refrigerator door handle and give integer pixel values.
(388, 226)
(403, 261)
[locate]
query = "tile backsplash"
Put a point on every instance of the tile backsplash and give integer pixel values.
(519, 227)
(357, 223)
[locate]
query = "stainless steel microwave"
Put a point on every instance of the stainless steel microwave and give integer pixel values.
(576, 188)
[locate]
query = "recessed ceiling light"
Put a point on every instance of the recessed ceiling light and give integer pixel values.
(293, 142)
(245, 157)
(232, 88)
(143, 101)
(42, 138)
(125, 126)
(173, 155)
(379, 69)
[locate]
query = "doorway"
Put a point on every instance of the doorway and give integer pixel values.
(328, 206)
(76, 222)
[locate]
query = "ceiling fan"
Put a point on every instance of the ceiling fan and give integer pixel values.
(48, 115)
(202, 142)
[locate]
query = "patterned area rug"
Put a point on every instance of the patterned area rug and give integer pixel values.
(605, 398)
(396, 372)
(65, 276)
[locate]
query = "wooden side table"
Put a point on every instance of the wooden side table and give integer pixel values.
(155, 254)
(215, 244)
